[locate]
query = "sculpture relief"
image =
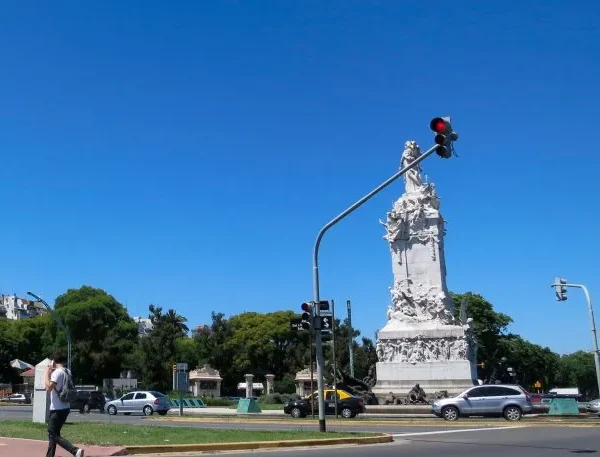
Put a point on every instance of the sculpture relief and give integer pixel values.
(419, 349)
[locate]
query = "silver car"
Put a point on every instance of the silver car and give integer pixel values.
(509, 401)
(146, 402)
(593, 406)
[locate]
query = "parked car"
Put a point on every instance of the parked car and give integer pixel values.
(88, 400)
(509, 401)
(16, 398)
(348, 405)
(146, 402)
(593, 406)
(82, 402)
(97, 401)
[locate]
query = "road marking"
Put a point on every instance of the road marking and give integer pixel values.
(440, 432)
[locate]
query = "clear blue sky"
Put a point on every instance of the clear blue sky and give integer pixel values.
(186, 153)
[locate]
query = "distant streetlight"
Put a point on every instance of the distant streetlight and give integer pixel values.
(59, 323)
(560, 285)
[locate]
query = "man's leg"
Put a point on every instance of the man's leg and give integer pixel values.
(53, 432)
(62, 442)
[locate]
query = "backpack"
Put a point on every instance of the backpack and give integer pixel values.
(68, 393)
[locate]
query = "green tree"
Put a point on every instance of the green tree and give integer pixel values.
(578, 370)
(265, 343)
(211, 343)
(102, 333)
(253, 343)
(488, 328)
(159, 347)
(9, 347)
(529, 361)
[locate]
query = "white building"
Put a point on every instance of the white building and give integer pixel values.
(144, 325)
(15, 308)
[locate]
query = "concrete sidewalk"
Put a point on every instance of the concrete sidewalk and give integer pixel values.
(17, 447)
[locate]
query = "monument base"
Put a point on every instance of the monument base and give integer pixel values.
(453, 376)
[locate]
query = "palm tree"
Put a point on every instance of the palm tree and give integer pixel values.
(176, 321)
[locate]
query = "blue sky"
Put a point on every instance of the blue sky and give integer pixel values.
(186, 154)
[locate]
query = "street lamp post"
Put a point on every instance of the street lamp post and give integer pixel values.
(316, 291)
(59, 323)
(562, 283)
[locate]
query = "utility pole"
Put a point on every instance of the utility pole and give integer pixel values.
(444, 147)
(560, 285)
(351, 340)
(335, 396)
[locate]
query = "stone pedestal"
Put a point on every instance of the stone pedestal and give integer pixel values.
(421, 343)
(270, 378)
(249, 385)
(41, 398)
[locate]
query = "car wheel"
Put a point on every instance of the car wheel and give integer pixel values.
(162, 413)
(112, 410)
(450, 413)
(347, 413)
(85, 409)
(512, 413)
(296, 413)
(148, 411)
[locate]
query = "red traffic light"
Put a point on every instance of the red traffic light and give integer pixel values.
(440, 125)
(307, 307)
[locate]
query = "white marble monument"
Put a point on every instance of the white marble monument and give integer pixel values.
(421, 342)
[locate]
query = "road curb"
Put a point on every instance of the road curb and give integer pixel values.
(249, 445)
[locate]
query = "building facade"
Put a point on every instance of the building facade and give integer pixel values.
(15, 308)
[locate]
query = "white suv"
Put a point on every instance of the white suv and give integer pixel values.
(510, 401)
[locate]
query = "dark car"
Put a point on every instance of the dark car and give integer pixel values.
(347, 405)
(82, 403)
(87, 401)
(97, 401)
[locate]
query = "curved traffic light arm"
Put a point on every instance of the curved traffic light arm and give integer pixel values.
(335, 220)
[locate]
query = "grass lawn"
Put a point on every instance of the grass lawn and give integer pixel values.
(124, 434)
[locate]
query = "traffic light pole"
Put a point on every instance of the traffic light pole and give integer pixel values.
(331, 223)
(351, 340)
(594, 330)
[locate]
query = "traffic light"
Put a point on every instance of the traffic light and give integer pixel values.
(561, 289)
(326, 335)
(174, 368)
(307, 315)
(444, 137)
(324, 305)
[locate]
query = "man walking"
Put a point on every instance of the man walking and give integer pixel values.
(56, 380)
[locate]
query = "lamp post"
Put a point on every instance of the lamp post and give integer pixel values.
(59, 323)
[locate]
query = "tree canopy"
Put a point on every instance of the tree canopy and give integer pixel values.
(106, 342)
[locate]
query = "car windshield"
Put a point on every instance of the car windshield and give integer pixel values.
(157, 394)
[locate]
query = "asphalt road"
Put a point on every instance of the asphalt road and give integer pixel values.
(468, 437)
(491, 442)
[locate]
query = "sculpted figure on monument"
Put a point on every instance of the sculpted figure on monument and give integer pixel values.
(412, 176)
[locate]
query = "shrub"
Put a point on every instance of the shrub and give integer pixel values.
(285, 386)
(275, 399)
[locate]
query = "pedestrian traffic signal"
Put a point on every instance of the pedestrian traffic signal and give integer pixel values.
(444, 137)
(307, 315)
(560, 288)
(323, 305)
